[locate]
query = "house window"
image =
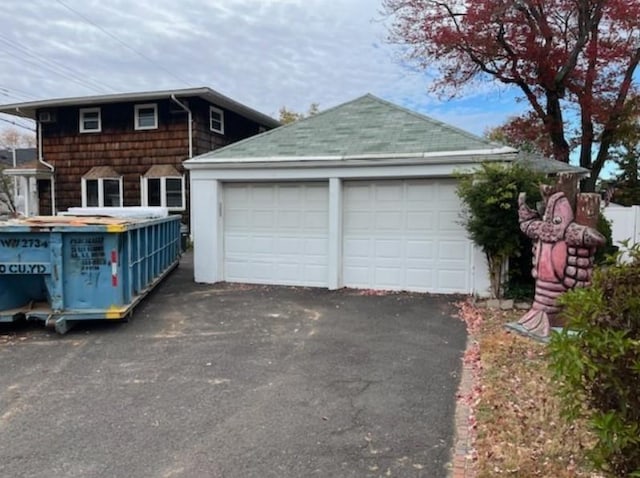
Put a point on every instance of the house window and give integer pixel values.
(102, 187)
(216, 119)
(90, 120)
(146, 116)
(163, 186)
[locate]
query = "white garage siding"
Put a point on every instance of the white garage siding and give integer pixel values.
(276, 233)
(405, 235)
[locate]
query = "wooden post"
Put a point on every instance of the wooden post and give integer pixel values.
(568, 184)
(588, 209)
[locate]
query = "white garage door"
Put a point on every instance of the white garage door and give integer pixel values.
(276, 233)
(404, 235)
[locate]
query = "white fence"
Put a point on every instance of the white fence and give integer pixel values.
(625, 223)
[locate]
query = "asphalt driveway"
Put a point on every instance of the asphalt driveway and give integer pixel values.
(236, 381)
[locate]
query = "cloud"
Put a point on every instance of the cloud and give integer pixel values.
(264, 53)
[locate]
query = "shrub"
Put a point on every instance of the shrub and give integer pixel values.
(596, 360)
(604, 228)
(490, 215)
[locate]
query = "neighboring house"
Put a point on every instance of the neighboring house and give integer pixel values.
(16, 157)
(19, 158)
(362, 195)
(127, 149)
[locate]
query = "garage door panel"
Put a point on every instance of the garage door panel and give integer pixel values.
(292, 246)
(237, 244)
(387, 277)
(420, 250)
(388, 249)
(446, 193)
(388, 221)
(449, 281)
(448, 221)
(317, 248)
(417, 195)
(262, 219)
(315, 220)
(262, 194)
(356, 248)
(357, 193)
(358, 220)
(357, 276)
(419, 278)
(238, 219)
(452, 249)
(420, 221)
(289, 219)
(404, 235)
(276, 233)
(389, 191)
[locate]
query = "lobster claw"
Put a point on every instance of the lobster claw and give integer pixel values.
(522, 199)
(525, 213)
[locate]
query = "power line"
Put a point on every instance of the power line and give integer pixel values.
(23, 121)
(22, 92)
(10, 93)
(123, 43)
(17, 124)
(53, 67)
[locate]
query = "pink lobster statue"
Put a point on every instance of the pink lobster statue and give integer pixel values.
(563, 254)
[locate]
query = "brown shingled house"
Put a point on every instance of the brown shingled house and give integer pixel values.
(127, 149)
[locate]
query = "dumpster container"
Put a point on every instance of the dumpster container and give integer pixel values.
(63, 269)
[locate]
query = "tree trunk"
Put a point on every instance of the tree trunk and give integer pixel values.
(555, 126)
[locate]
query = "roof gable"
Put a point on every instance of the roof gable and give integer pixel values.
(363, 127)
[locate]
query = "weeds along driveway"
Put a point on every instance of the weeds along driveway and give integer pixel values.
(236, 381)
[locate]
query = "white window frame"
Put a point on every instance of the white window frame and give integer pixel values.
(136, 116)
(144, 189)
(100, 190)
(81, 115)
(213, 109)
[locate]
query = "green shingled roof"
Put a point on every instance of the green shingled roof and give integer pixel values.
(364, 126)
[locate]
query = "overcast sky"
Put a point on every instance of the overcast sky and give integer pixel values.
(263, 53)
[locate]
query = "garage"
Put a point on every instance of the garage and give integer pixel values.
(405, 235)
(276, 233)
(361, 195)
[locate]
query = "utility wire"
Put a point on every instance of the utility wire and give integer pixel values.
(11, 93)
(123, 43)
(23, 121)
(17, 124)
(72, 76)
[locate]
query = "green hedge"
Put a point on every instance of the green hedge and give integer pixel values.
(596, 361)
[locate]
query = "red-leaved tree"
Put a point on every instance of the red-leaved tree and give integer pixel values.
(525, 132)
(567, 57)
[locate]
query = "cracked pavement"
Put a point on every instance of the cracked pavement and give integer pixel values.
(236, 381)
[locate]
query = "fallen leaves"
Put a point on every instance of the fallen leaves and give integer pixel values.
(514, 418)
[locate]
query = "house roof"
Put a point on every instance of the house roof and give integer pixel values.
(365, 127)
(548, 165)
(23, 156)
(29, 109)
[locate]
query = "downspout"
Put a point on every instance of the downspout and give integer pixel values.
(15, 183)
(190, 128)
(184, 107)
(49, 166)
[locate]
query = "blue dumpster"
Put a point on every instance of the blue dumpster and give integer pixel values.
(64, 269)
